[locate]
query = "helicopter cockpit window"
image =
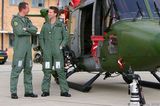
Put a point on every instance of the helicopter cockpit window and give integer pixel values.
(155, 4)
(129, 8)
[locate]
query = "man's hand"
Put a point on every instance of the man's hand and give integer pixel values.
(61, 47)
(24, 29)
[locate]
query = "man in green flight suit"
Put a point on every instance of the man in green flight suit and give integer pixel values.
(53, 38)
(22, 57)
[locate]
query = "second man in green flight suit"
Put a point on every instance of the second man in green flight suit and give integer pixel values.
(53, 38)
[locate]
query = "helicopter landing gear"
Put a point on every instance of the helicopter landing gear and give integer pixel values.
(135, 90)
(149, 84)
(126, 76)
(85, 87)
(152, 84)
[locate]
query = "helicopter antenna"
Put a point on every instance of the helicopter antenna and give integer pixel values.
(139, 8)
(139, 11)
(157, 10)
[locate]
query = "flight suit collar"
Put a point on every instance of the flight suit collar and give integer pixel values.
(57, 23)
(20, 16)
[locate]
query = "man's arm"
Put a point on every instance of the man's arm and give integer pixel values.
(31, 28)
(65, 36)
(18, 28)
(41, 38)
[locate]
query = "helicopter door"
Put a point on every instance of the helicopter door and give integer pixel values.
(86, 29)
(98, 17)
(75, 44)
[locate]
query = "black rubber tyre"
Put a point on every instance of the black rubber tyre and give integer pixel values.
(3, 62)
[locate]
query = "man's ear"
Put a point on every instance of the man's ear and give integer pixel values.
(56, 14)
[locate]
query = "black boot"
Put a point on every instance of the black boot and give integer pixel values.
(14, 96)
(65, 94)
(44, 94)
(30, 95)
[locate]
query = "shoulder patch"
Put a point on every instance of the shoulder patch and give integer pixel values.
(15, 23)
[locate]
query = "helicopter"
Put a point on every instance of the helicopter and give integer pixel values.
(113, 37)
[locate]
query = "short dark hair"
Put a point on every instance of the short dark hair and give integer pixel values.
(22, 5)
(55, 9)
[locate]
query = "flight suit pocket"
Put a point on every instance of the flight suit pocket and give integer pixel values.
(17, 63)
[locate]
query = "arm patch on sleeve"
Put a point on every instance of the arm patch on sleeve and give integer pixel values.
(15, 23)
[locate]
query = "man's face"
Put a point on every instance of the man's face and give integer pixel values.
(51, 14)
(26, 10)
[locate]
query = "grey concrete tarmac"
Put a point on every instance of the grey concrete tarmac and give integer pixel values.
(109, 92)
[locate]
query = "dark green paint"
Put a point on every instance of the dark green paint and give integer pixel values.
(138, 45)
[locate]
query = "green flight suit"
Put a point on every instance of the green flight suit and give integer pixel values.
(51, 38)
(22, 57)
